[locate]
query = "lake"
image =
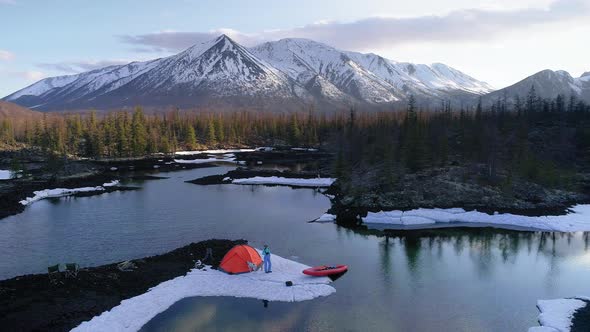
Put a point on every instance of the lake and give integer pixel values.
(450, 279)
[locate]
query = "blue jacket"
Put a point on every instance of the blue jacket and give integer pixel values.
(266, 251)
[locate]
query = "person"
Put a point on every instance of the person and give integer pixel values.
(266, 254)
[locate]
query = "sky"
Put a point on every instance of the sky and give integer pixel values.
(496, 41)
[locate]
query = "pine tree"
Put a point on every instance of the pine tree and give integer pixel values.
(411, 110)
(294, 131)
(138, 133)
(531, 101)
(211, 139)
(219, 131)
(190, 139)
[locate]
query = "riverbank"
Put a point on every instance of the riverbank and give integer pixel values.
(84, 174)
(450, 188)
(268, 177)
(353, 197)
(14, 196)
(32, 303)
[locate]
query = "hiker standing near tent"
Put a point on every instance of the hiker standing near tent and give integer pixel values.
(266, 254)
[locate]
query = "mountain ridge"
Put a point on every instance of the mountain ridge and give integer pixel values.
(281, 75)
(547, 84)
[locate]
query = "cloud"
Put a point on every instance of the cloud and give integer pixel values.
(377, 32)
(33, 75)
(29, 75)
(5, 55)
(74, 67)
(170, 41)
(7, 2)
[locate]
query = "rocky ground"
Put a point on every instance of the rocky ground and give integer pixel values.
(448, 188)
(33, 303)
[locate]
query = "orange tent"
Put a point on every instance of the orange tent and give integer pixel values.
(240, 259)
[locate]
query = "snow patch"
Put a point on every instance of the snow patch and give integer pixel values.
(60, 192)
(326, 217)
(5, 174)
(219, 151)
(204, 161)
(135, 312)
(578, 218)
(556, 315)
(304, 149)
(264, 149)
(276, 180)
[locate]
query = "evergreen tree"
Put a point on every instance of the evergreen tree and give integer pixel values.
(138, 133)
(190, 139)
(211, 137)
(294, 131)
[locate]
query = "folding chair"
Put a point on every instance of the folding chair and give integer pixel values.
(72, 270)
(54, 274)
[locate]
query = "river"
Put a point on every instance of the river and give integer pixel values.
(450, 279)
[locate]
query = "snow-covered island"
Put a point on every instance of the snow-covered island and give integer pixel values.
(135, 312)
(60, 192)
(556, 315)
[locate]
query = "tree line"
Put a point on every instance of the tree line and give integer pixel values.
(125, 134)
(545, 141)
(531, 137)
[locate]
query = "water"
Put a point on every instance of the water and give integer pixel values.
(452, 280)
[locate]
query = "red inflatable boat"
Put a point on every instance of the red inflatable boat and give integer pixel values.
(325, 271)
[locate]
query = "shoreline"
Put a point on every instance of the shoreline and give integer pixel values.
(97, 173)
(350, 214)
(288, 164)
(94, 173)
(31, 302)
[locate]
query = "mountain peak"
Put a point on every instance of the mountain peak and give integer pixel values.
(586, 74)
(198, 49)
(224, 37)
(548, 74)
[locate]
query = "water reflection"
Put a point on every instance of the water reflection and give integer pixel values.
(230, 314)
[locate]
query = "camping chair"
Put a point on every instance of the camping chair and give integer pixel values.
(126, 266)
(72, 270)
(54, 274)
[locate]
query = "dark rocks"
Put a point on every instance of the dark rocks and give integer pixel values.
(448, 188)
(581, 318)
(296, 160)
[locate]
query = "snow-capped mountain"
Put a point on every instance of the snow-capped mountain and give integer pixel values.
(548, 84)
(280, 75)
(365, 77)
